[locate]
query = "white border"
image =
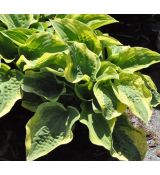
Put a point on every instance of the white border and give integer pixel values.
(80, 168)
(80, 6)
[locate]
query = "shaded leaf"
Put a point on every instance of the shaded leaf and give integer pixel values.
(31, 101)
(43, 84)
(84, 90)
(50, 127)
(8, 49)
(130, 143)
(100, 129)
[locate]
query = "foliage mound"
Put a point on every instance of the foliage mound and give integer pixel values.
(64, 69)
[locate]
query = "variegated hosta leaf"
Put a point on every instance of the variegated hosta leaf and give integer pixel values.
(132, 59)
(84, 90)
(18, 35)
(94, 21)
(2, 26)
(4, 68)
(107, 40)
(43, 84)
(17, 20)
(111, 107)
(129, 143)
(152, 87)
(31, 101)
(10, 90)
(50, 127)
(82, 63)
(100, 129)
(68, 30)
(107, 71)
(8, 49)
(114, 50)
(41, 43)
(52, 62)
(130, 89)
(41, 26)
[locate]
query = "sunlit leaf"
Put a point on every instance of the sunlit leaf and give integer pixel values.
(131, 59)
(152, 87)
(82, 63)
(10, 90)
(17, 20)
(68, 30)
(42, 43)
(111, 107)
(94, 21)
(130, 89)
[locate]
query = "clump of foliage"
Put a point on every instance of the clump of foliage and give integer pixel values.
(65, 70)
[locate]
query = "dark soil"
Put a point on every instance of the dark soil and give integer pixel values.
(134, 30)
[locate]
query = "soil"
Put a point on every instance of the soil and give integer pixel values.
(134, 30)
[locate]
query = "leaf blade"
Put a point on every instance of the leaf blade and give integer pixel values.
(130, 89)
(50, 130)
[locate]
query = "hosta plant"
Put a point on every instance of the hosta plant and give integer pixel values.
(65, 70)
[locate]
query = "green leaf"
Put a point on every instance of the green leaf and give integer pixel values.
(130, 143)
(107, 40)
(82, 63)
(84, 90)
(68, 30)
(50, 127)
(17, 20)
(41, 26)
(107, 71)
(10, 90)
(43, 84)
(52, 62)
(111, 107)
(94, 21)
(4, 68)
(131, 59)
(152, 87)
(100, 129)
(18, 35)
(130, 89)
(42, 43)
(31, 101)
(113, 51)
(8, 49)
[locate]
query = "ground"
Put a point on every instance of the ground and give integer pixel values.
(153, 134)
